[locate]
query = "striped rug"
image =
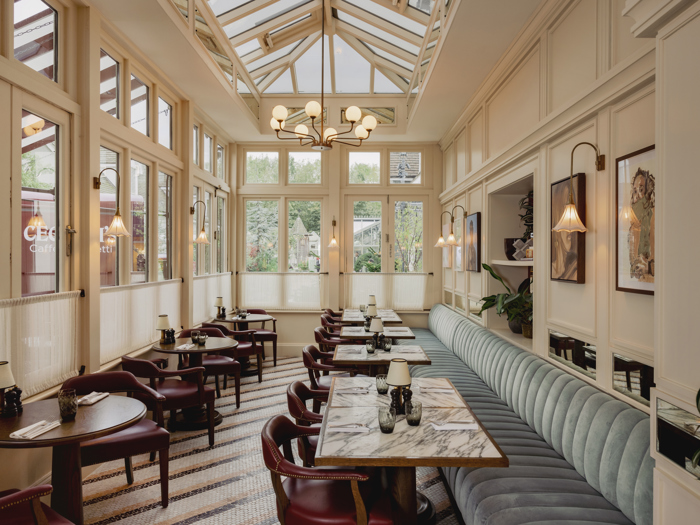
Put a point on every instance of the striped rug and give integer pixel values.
(227, 484)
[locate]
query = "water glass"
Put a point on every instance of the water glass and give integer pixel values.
(387, 419)
(202, 339)
(369, 346)
(67, 404)
(362, 309)
(194, 334)
(382, 387)
(414, 411)
(387, 344)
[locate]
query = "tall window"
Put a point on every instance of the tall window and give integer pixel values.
(40, 227)
(220, 229)
(109, 84)
(207, 228)
(109, 247)
(195, 229)
(208, 148)
(408, 236)
(304, 167)
(139, 222)
(35, 40)
(262, 167)
(139, 106)
(195, 145)
(165, 226)
(405, 167)
(304, 237)
(165, 124)
(364, 167)
(262, 231)
(367, 236)
(220, 161)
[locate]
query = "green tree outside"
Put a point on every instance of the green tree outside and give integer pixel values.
(262, 168)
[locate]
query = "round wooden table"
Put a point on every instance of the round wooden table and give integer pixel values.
(195, 418)
(250, 318)
(110, 415)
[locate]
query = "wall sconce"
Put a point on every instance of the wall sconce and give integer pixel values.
(451, 241)
(117, 227)
(570, 220)
(202, 237)
(334, 242)
(37, 220)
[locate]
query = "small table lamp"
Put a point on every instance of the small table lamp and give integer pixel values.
(372, 310)
(7, 380)
(163, 325)
(377, 325)
(219, 307)
(400, 378)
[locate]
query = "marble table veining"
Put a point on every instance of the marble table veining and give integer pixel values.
(351, 316)
(373, 399)
(358, 332)
(357, 355)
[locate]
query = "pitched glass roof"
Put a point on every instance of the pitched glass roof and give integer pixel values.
(351, 70)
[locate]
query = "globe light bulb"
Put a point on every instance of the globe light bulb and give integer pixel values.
(329, 133)
(369, 122)
(301, 131)
(353, 114)
(276, 125)
(313, 109)
(279, 113)
(361, 132)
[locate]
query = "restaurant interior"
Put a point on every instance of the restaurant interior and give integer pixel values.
(408, 161)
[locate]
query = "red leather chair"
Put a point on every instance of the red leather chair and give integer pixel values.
(23, 507)
(247, 345)
(179, 394)
(142, 438)
(216, 365)
(315, 496)
(330, 312)
(312, 356)
(297, 396)
(263, 336)
(330, 324)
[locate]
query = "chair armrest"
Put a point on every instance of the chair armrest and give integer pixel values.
(291, 470)
(25, 495)
(312, 417)
(183, 372)
(160, 362)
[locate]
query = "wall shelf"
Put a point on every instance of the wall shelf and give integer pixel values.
(506, 262)
(517, 339)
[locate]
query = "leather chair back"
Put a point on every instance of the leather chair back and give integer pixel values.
(297, 396)
(211, 332)
(332, 313)
(109, 382)
(259, 311)
(140, 367)
(330, 320)
(220, 327)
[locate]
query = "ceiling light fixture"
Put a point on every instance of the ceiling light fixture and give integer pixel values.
(323, 141)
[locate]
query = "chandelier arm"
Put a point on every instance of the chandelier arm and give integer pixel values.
(313, 126)
(349, 143)
(205, 210)
(286, 138)
(293, 133)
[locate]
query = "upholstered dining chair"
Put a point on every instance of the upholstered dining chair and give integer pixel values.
(23, 507)
(247, 345)
(314, 496)
(145, 437)
(316, 362)
(330, 312)
(179, 394)
(263, 336)
(297, 396)
(330, 324)
(216, 365)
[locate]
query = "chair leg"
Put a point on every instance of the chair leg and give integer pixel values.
(260, 367)
(237, 379)
(274, 352)
(210, 418)
(164, 473)
(129, 470)
(152, 457)
(218, 390)
(225, 381)
(317, 405)
(262, 344)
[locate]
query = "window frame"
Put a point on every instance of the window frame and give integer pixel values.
(173, 214)
(119, 117)
(59, 53)
(158, 96)
(151, 128)
(287, 156)
(382, 171)
(421, 184)
(212, 160)
(280, 164)
(149, 219)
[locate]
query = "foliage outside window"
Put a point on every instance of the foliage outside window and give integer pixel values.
(139, 106)
(262, 230)
(35, 40)
(208, 151)
(139, 222)
(364, 167)
(195, 145)
(304, 237)
(405, 167)
(262, 167)
(304, 167)
(109, 246)
(408, 236)
(165, 124)
(165, 226)
(109, 84)
(220, 161)
(367, 236)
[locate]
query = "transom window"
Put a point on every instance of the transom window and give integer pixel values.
(139, 106)
(304, 167)
(262, 167)
(109, 84)
(364, 167)
(35, 38)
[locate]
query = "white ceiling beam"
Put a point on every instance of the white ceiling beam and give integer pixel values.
(286, 60)
(363, 36)
(437, 10)
(294, 33)
(377, 22)
(246, 9)
(331, 51)
(330, 19)
(270, 79)
(376, 60)
(293, 72)
(276, 22)
(401, 7)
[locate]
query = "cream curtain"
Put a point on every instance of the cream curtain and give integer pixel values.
(40, 339)
(128, 316)
(398, 291)
(206, 289)
(282, 291)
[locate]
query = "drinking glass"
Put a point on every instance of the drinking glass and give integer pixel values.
(387, 344)
(414, 411)
(194, 334)
(362, 309)
(382, 387)
(387, 419)
(244, 313)
(369, 346)
(202, 339)
(67, 404)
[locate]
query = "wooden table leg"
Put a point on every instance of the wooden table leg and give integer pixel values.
(67, 481)
(409, 506)
(194, 418)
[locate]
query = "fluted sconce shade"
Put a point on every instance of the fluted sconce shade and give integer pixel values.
(399, 374)
(117, 228)
(570, 221)
(202, 238)
(163, 322)
(440, 242)
(377, 325)
(6, 378)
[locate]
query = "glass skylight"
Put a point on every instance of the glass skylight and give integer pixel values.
(285, 26)
(351, 70)
(308, 69)
(379, 33)
(422, 5)
(265, 14)
(390, 57)
(267, 59)
(389, 15)
(248, 47)
(283, 84)
(383, 84)
(224, 6)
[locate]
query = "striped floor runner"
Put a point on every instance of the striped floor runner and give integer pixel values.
(226, 484)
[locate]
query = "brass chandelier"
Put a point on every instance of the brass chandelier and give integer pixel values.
(323, 140)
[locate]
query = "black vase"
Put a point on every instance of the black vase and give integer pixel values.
(509, 248)
(516, 326)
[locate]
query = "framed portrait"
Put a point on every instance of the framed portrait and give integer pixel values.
(636, 218)
(447, 250)
(568, 248)
(472, 242)
(459, 250)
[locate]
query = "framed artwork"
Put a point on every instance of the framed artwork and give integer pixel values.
(472, 242)
(459, 250)
(447, 250)
(568, 248)
(636, 217)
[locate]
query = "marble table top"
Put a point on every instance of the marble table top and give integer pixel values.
(357, 355)
(358, 332)
(373, 399)
(355, 316)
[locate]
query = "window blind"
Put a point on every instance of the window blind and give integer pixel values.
(398, 291)
(205, 291)
(282, 291)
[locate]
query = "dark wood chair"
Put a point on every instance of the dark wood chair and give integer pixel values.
(247, 346)
(23, 507)
(330, 324)
(263, 336)
(297, 396)
(145, 437)
(179, 394)
(316, 362)
(330, 312)
(315, 496)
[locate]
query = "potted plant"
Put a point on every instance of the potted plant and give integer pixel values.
(527, 218)
(517, 306)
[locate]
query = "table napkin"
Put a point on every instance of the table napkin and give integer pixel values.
(436, 390)
(352, 390)
(352, 351)
(348, 430)
(92, 398)
(186, 346)
(35, 430)
(400, 350)
(456, 426)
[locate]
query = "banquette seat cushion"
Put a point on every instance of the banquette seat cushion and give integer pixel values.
(577, 455)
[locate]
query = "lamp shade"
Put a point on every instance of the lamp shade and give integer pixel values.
(37, 220)
(301, 131)
(361, 132)
(398, 373)
(279, 113)
(440, 242)
(117, 228)
(372, 300)
(451, 240)
(163, 322)
(6, 378)
(219, 301)
(369, 122)
(313, 109)
(333, 243)
(353, 114)
(372, 310)
(570, 221)
(377, 325)
(202, 238)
